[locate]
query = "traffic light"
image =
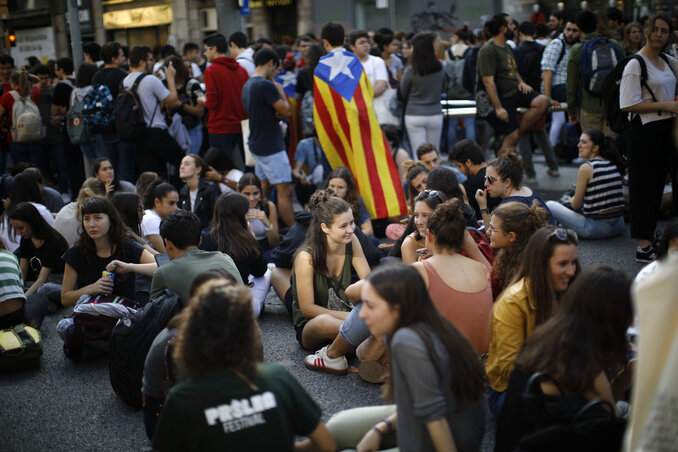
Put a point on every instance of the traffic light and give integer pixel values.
(12, 39)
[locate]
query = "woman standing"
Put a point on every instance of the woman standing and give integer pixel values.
(21, 84)
(652, 150)
(436, 378)
(190, 110)
(421, 87)
(598, 203)
(263, 215)
(549, 264)
(198, 195)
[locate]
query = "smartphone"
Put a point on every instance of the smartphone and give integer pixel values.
(161, 259)
(422, 252)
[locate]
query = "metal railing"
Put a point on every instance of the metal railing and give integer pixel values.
(467, 108)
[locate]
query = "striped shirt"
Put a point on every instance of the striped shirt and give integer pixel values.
(604, 197)
(11, 282)
(549, 60)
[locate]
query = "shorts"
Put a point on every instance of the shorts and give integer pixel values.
(299, 330)
(511, 103)
(274, 168)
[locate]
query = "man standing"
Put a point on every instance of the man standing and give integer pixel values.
(106, 139)
(554, 74)
(192, 54)
(237, 45)
(266, 104)
(224, 80)
(505, 88)
(583, 106)
(374, 67)
(160, 148)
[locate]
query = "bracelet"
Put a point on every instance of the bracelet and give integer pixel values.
(389, 424)
(270, 228)
(484, 210)
(377, 430)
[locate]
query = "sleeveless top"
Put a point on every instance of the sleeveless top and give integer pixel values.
(322, 287)
(469, 312)
(604, 196)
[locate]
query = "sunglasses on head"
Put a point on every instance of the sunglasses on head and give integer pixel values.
(565, 235)
(431, 193)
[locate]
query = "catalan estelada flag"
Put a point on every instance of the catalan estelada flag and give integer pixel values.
(288, 80)
(350, 135)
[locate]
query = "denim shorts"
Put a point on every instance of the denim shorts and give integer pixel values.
(354, 330)
(273, 168)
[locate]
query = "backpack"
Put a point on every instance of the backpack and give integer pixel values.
(618, 119)
(470, 62)
(20, 347)
(598, 58)
(454, 76)
(26, 120)
(98, 110)
(530, 65)
(131, 340)
(76, 123)
(129, 114)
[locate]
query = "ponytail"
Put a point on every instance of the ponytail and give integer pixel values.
(607, 149)
(22, 82)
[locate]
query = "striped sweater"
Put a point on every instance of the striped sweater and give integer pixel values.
(604, 192)
(11, 282)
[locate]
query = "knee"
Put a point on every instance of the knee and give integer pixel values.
(284, 189)
(541, 102)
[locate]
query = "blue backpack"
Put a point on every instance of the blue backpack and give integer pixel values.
(599, 56)
(98, 108)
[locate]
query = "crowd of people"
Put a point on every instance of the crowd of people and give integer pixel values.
(452, 307)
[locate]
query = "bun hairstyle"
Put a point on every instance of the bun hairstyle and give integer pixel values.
(607, 149)
(325, 206)
(447, 224)
(508, 166)
(522, 220)
(431, 201)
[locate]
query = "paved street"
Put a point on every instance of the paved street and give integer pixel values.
(63, 406)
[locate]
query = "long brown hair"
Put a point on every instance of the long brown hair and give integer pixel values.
(22, 82)
(229, 227)
(404, 290)
(588, 333)
(412, 170)
(117, 233)
(351, 197)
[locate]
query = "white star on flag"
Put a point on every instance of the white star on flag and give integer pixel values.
(338, 64)
(288, 79)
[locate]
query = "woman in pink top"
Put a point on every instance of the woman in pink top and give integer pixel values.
(459, 286)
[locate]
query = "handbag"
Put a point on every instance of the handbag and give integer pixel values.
(382, 107)
(484, 107)
(20, 347)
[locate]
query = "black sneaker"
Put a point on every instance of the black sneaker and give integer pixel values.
(656, 241)
(645, 255)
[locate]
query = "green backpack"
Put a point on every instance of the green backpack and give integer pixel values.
(20, 347)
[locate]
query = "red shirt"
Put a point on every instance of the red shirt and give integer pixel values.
(224, 80)
(7, 102)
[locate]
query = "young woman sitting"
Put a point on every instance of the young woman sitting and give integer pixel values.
(12, 298)
(341, 181)
(598, 203)
(416, 175)
(583, 347)
(102, 169)
(39, 252)
(103, 246)
(436, 378)
(503, 180)
(221, 170)
(548, 265)
(459, 285)
(216, 353)
(198, 195)
(262, 215)
(322, 271)
(68, 220)
(510, 228)
(161, 200)
(230, 234)
(414, 245)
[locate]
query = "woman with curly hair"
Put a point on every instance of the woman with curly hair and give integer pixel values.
(510, 228)
(341, 182)
(227, 400)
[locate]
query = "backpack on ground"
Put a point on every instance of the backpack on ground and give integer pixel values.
(129, 114)
(530, 66)
(20, 347)
(454, 80)
(130, 342)
(26, 120)
(619, 119)
(598, 58)
(76, 123)
(98, 110)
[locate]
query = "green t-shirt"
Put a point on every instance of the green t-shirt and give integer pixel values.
(500, 63)
(220, 411)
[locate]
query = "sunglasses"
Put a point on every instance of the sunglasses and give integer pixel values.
(490, 179)
(431, 193)
(565, 235)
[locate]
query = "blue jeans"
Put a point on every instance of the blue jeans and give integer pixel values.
(195, 135)
(585, 227)
(495, 401)
(26, 152)
(120, 153)
(353, 330)
(36, 303)
(232, 144)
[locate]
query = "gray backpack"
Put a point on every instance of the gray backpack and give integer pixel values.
(26, 121)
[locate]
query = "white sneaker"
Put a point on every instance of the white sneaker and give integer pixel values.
(321, 363)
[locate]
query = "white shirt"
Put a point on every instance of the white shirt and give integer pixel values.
(375, 68)
(193, 194)
(246, 60)
(661, 82)
(151, 92)
(150, 225)
(195, 70)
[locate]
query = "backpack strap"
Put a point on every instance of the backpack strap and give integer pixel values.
(134, 88)
(562, 51)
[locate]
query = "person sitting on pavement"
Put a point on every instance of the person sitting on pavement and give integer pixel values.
(263, 214)
(230, 233)
(414, 247)
(416, 174)
(322, 271)
(102, 169)
(503, 180)
(470, 160)
(216, 352)
(12, 298)
(428, 154)
(181, 234)
(342, 183)
(549, 265)
(509, 230)
(596, 210)
(198, 195)
(161, 200)
(221, 170)
(436, 379)
(68, 220)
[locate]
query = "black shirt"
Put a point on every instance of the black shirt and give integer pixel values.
(304, 82)
(48, 256)
(250, 266)
(111, 77)
(62, 93)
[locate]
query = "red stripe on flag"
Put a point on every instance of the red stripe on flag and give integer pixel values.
(380, 207)
(342, 116)
(326, 119)
(395, 177)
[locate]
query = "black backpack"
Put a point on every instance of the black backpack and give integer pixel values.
(530, 65)
(470, 61)
(130, 342)
(619, 119)
(129, 114)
